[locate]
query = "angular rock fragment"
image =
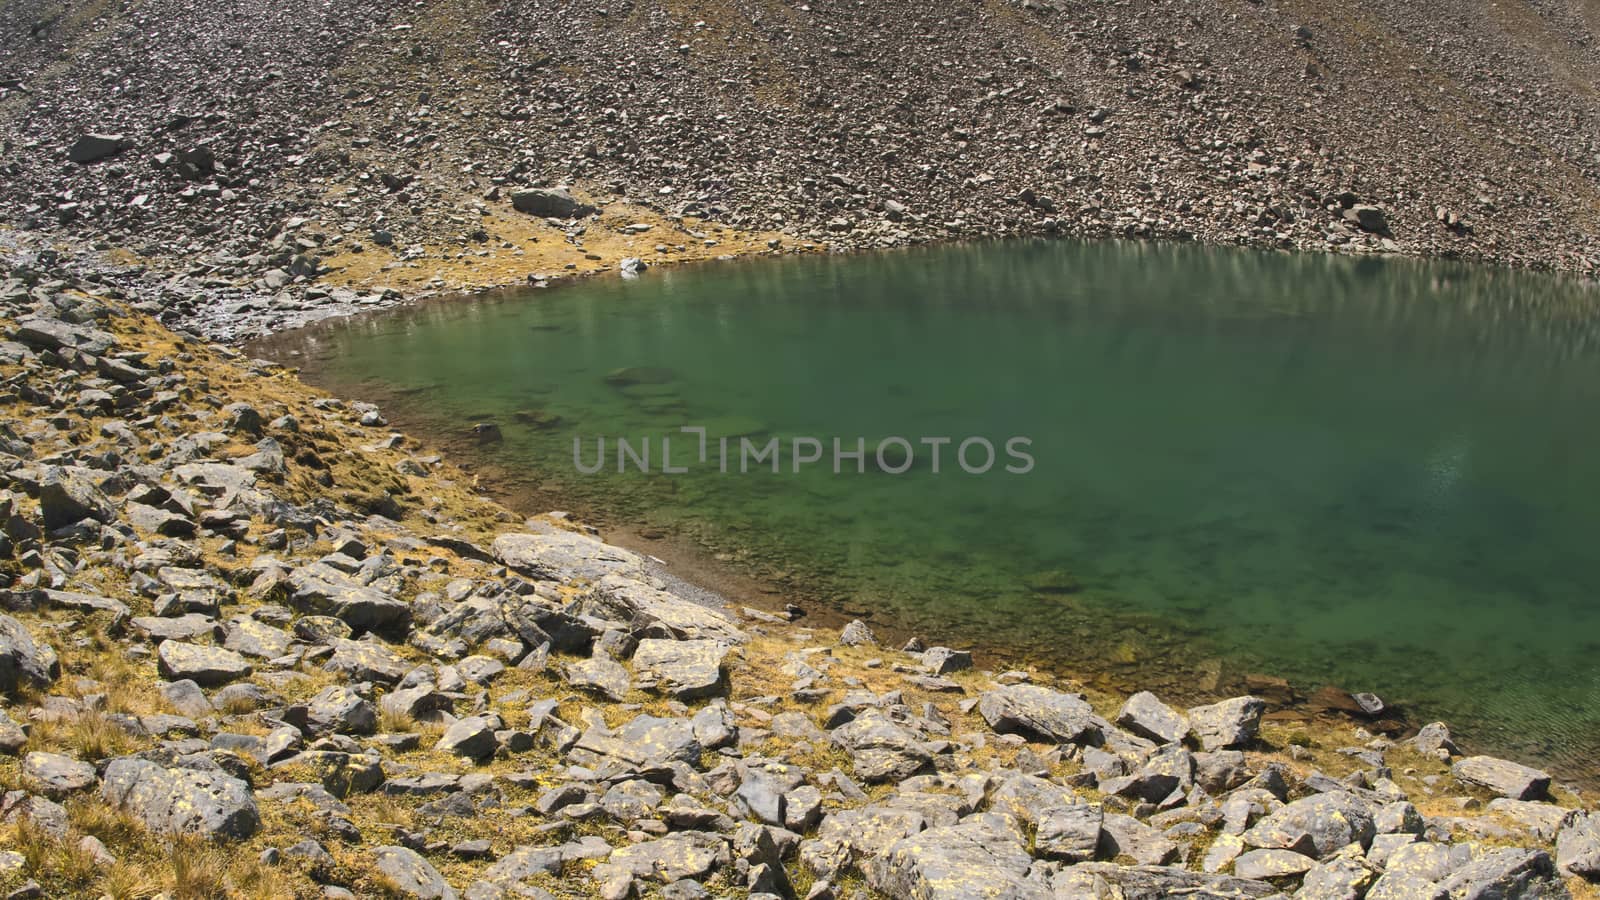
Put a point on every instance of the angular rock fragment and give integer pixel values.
(688, 670)
(24, 662)
(1230, 724)
(408, 875)
(1039, 713)
(182, 801)
(205, 666)
(1508, 779)
(1146, 716)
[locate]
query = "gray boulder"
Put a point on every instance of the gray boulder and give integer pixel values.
(342, 774)
(24, 662)
(564, 556)
(1169, 769)
(1231, 723)
(252, 637)
(943, 660)
(472, 737)
(858, 837)
(688, 670)
(1039, 713)
(55, 775)
(186, 627)
(321, 589)
(647, 746)
(1435, 738)
(423, 703)
(600, 674)
(1063, 825)
(95, 147)
(187, 699)
(409, 875)
(337, 709)
(631, 800)
(12, 737)
(651, 612)
(182, 801)
(688, 854)
(1345, 877)
(1146, 716)
(1317, 826)
(366, 661)
(881, 749)
(857, 634)
(67, 496)
(205, 666)
(1542, 821)
(53, 334)
(550, 203)
(983, 856)
(524, 863)
(1578, 846)
(1508, 779)
(1368, 218)
(1126, 836)
(1264, 864)
(1504, 873)
(1106, 880)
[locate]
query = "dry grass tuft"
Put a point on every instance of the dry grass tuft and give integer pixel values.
(90, 736)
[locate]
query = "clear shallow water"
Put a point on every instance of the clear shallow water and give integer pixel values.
(1379, 475)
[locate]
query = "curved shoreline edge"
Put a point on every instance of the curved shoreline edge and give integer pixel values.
(249, 619)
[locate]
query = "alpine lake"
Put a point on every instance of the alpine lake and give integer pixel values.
(1378, 474)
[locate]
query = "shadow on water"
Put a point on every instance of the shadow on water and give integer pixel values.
(1371, 473)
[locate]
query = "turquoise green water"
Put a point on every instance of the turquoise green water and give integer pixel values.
(1379, 475)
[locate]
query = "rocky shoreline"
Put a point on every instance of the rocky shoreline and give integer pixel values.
(256, 167)
(255, 644)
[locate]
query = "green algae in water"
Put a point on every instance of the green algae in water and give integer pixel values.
(1381, 475)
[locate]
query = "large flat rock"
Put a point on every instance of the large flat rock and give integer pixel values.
(688, 670)
(182, 801)
(1508, 779)
(565, 556)
(652, 612)
(1039, 713)
(983, 857)
(205, 666)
